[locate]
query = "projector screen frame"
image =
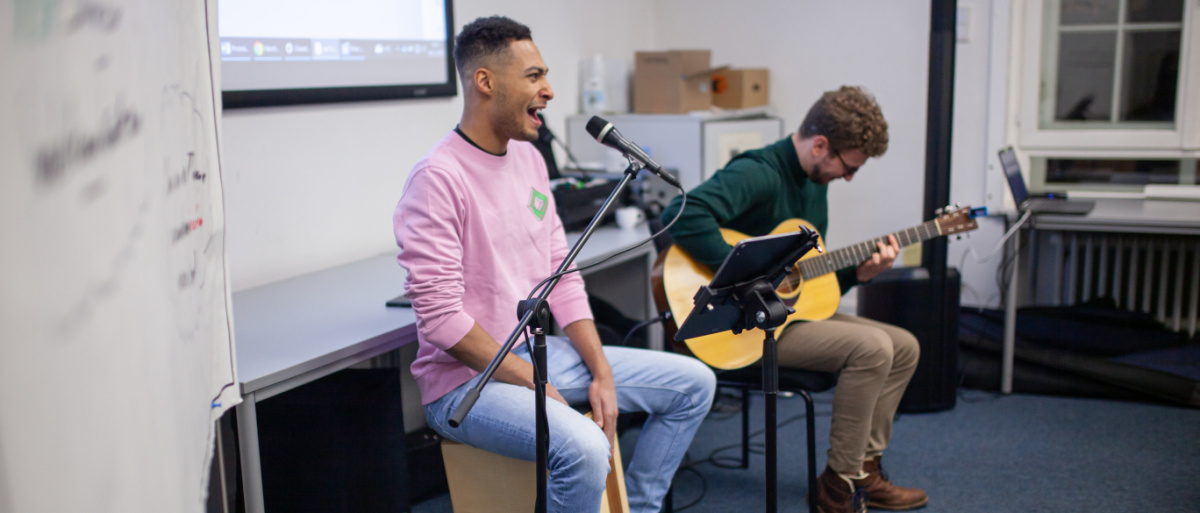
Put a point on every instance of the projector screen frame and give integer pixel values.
(242, 99)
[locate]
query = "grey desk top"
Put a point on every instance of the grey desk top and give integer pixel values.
(292, 327)
(609, 240)
(288, 328)
(1126, 215)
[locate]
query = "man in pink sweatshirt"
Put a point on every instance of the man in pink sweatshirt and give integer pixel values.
(477, 230)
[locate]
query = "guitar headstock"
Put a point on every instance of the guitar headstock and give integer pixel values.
(956, 221)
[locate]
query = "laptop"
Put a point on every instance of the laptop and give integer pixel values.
(1055, 204)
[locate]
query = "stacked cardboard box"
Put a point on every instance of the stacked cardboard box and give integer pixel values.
(740, 88)
(672, 82)
(681, 81)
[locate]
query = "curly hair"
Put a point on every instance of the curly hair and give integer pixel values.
(850, 119)
(486, 37)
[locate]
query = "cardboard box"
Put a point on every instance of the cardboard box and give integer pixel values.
(740, 88)
(672, 82)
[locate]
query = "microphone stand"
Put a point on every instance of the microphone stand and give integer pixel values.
(535, 315)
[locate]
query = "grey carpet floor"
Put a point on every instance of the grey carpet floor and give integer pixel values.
(1019, 453)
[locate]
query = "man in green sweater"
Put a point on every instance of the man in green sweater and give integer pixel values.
(753, 194)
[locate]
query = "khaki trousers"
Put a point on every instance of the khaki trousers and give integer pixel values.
(876, 361)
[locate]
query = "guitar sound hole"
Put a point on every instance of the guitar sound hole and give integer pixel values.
(791, 285)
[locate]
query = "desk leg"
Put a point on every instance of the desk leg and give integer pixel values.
(247, 419)
(1010, 320)
(654, 332)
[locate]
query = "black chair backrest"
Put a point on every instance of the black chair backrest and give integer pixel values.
(663, 241)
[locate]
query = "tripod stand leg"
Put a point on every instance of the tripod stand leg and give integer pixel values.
(812, 450)
(771, 393)
(745, 427)
(543, 425)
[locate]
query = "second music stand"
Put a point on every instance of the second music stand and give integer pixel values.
(741, 296)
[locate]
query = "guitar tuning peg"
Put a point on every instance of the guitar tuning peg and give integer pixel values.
(939, 211)
(957, 206)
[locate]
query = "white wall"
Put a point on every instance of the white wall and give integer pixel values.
(980, 88)
(812, 47)
(313, 187)
(968, 159)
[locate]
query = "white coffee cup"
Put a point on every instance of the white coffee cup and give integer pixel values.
(629, 217)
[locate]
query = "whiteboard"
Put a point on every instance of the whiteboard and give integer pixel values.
(116, 353)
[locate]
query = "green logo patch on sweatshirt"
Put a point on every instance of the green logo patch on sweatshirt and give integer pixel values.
(538, 203)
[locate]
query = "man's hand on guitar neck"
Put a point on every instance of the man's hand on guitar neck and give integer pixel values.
(880, 261)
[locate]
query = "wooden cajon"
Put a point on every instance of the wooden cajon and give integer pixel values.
(485, 482)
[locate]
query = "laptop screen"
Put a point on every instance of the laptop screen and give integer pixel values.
(1012, 171)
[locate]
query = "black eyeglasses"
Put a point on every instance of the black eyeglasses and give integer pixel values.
(849, 170)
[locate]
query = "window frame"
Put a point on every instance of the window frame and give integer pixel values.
(1174, 142)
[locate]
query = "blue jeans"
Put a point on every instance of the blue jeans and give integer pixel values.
(675, 390)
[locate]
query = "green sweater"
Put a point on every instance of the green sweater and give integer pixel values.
(752, 194)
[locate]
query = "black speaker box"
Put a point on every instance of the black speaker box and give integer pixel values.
(904, 297)
(335, 445)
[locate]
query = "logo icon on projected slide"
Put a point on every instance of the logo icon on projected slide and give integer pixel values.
(258, 48)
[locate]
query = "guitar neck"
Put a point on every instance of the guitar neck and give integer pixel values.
(854, 254)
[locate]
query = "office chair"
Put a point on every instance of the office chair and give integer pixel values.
(798, 381)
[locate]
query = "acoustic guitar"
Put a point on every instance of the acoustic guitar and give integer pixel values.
(812, 288)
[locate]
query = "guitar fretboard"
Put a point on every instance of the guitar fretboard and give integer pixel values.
(851, 255)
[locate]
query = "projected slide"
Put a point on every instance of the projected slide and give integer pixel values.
(299, 44)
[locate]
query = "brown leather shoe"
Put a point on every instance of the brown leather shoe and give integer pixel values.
(839, 494)
(885, 495)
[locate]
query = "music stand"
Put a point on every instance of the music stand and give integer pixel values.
(741, 296)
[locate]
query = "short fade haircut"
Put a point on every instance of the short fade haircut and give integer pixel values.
(850, 119)
(486, 37)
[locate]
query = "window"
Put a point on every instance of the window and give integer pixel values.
(1108, 92)
(1110, 63)
(1109, 174)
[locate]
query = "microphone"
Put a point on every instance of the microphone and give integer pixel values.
(606, 134)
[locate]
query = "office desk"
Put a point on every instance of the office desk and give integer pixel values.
(299, 330)
(624, 281)
(1128, 215)
(1110, 215)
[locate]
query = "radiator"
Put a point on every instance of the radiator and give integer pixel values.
(1155, 274)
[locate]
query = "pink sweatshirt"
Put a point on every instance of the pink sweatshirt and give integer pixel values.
(476, 233)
